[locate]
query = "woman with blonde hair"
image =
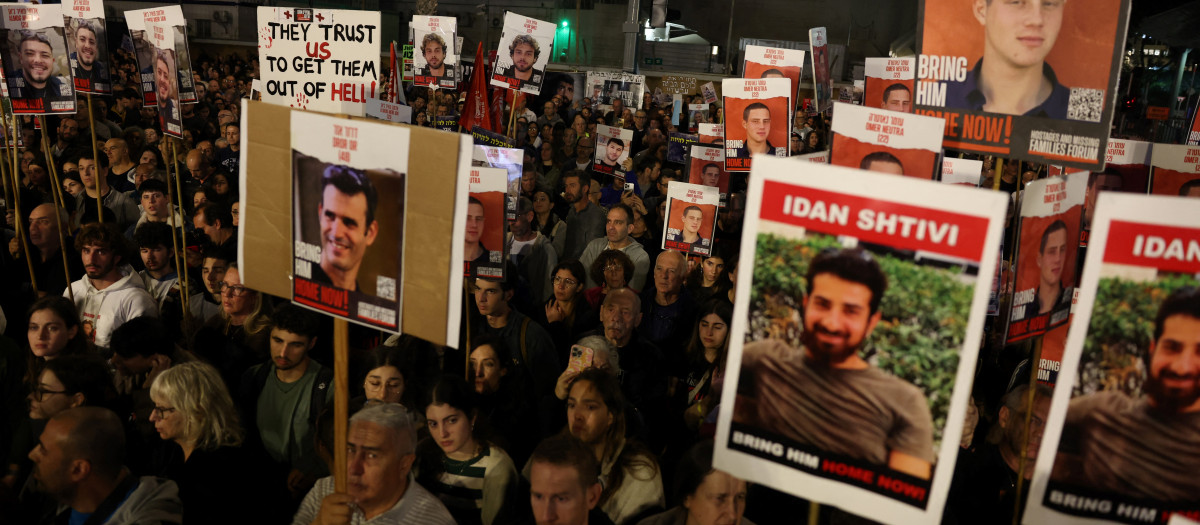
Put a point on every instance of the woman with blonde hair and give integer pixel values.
(239, 337)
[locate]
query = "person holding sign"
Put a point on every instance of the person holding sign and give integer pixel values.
(828, 396)
(433, 48)
(348, 225)
(524, 51)
(756, 119)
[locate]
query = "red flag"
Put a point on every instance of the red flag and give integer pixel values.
(394, 80)
(498, 97)
(475, 111)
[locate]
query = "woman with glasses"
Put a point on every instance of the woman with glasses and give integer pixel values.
(567, 315)
(239, 337)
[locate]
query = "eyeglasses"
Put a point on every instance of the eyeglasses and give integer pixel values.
(161, 412)
(235, 290)
(39, 392)
(568, 282)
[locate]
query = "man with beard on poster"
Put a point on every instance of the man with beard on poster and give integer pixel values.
(825, 394)
(348, 226)
(756, 119)
(433, 48)
(88, 67)
(1013, 77)
(1143, 447)
(167, 95)
(36, 80)
(524, 52)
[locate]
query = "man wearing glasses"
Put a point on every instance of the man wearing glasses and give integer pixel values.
(348, 226)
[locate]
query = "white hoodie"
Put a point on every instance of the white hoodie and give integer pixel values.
(109, 308)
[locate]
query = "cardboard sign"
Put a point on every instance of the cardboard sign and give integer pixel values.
(966, 172)
(822, 82)
(604, 87)
(172, 15)
(436, 56)
(1175, 170)
(1063, 119)
(708, 169)
(391, 112)
(1120, 438)
(678, 145)
(691, 215)
(1051, 210)
(166, 77)
(508, 159)
(526, 46)
(324, 60)
(794, 413)
(758, 113)
(612, 148)
(87, 40)
(886, 141)
(34, 54)
(485, 224)
(889, 83)
(267, 217)
(770, 62)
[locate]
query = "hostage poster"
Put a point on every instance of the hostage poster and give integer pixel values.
(1175, 170)
(508, 159)
(707, 169)
(147, 58)
(166, 77)
(843, 264)
(348, 209)
(1023, 80)
(612, 150)
(87, 39)
(434, 57)
(757, 119)
(525, 49)
(483, 254)
(1121, 441)
(889, 83)
(691, 214)
(34, 53)
(770, 62)
(886, 141)
(822, 83)
(604, 88)
(1051, 211)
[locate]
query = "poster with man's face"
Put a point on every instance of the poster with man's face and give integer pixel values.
(612, 148)
(1051, 210)
(1175, 170)
(34, 53)
(691, 215)
(606, 87)
(525, 48)
(889, 83)
(87, 42)
(757, 119)
(348, 207)
(885, 141)
(166, 78)
(1121, 440)
(708, 169)
(483, 255)
(434, 54)
(1023, 80)
(147, 58)
(508, 159)
(825, 397)
(771, 62)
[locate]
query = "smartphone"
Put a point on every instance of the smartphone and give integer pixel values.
(628, 187)
(581, 358)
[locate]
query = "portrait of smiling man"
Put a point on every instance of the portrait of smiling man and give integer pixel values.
(756, 119)
(86, 62)
(35, 79)
(348, 225)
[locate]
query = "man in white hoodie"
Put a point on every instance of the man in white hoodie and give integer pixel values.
(111, 292)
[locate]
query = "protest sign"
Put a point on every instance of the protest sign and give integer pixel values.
(758, 114)
(1175, 170)
(612, 148)
(1193, 136)
(691, 214)
(349, 213)
(712, 133)
(604, 87)
(794, 411)
(526, 46)
(1051, 210)
(406, 54)
(678, 145)
(166, 77)
(821, 157)
(319, 59)
(696, 116)
(1063, 118)
(87, 41)
(508, 159)
(708, 169)
(1120, 438)
(445, 122)
(485, 224)
(822, 82)
(391, 112)
(34, 53)
(570, 86)
(886, 141)
(710, 92)
(889, 83)
(171, 15)
(436, 57)
(1127, 169)
(678, 85)
(484, 137)
(770, 62)
(966, 172)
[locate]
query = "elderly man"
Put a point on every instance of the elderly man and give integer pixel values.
(47, 258)
(382, 447)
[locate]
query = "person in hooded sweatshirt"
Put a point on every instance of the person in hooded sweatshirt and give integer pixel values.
(111, 292)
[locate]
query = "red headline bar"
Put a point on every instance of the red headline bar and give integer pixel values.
(1170, 248)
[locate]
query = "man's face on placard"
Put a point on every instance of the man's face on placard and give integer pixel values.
(613, 151)
(475, 222)
(898, 100)
(758, 125)
(523, 57)
(85, 47)
(1173, 381)
(692, 219)
(435, 55)
(1052, 257)
(36, 61)
(837, 318)
(1098, 183)
(1018, 33)
(711, 176)
(345, 234)
(162, 79)
(882, 166)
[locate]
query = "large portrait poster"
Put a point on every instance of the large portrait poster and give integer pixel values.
(166, 78)
(822, 83)
(886, 141)
(1128, 170)
(1175, 170)
(348, 209)
(1122, 443)
(1071, 57)
(434, 56)
(612, 148)
(170, 15)
(87, 40)
(691, 215)
(323, 60)
(839, 247)
(1051, 211)
(966, 172)
(483, 254)
(771, 62)
(604, 87)
(34, 53)
(708, 169)
(508, 159)
(525, 49)
(758, 119)
(889, 83)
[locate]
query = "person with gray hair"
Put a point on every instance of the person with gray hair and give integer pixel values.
(380, 486)
(77, 461)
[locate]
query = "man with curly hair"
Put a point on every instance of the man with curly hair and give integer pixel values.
(433, 48)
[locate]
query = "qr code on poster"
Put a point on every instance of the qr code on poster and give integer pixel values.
(1085, 104)
(385, 288)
